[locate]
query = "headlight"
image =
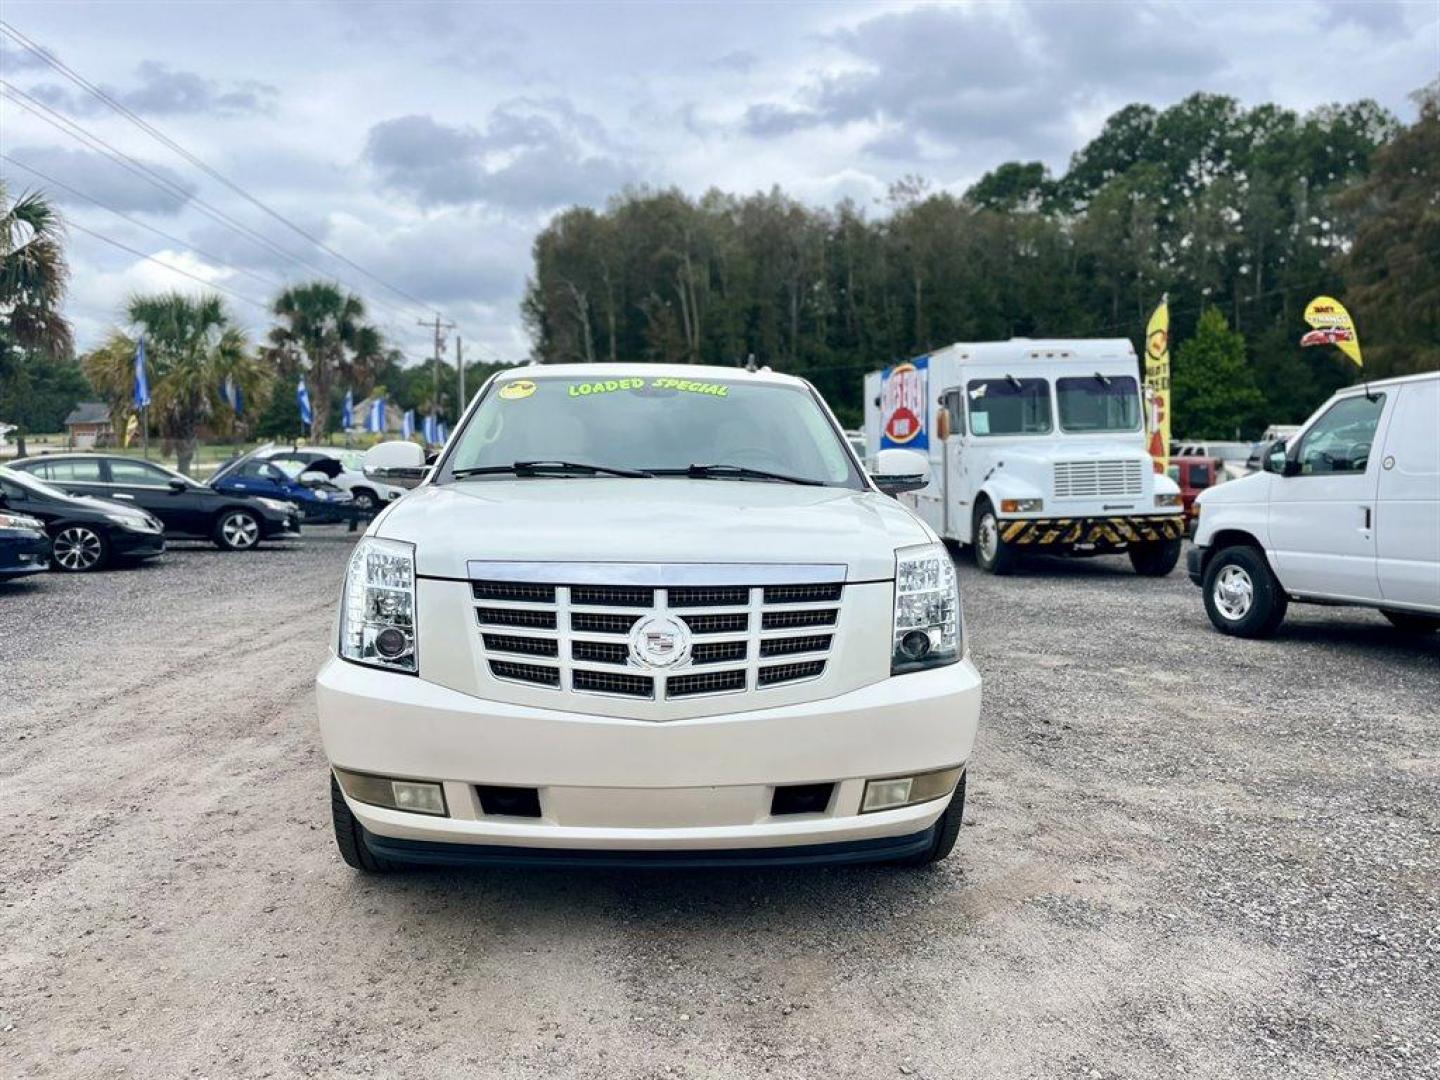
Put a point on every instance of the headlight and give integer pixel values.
(377, 609)
(20, 521)
(927, 631)
(321, 495)
(1021, 506)
(280, 506)
(130, 521)
(1168, 500)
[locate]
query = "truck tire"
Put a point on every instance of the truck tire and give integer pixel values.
(1411, 622)
(947, 829)
(350, 837)
(1155, 559)
(992, 553)
(1242, 596)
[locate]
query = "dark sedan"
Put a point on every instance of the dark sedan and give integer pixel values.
(187, 507)
(24, 546)
(86, 534)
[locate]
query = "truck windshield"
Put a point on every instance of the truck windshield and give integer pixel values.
(1092, 403)
(658, 424)
(1009, 406)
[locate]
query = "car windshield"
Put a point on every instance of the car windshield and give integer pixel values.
(1009, 406)
(1098, 403)
(34, 483)
(659, 424)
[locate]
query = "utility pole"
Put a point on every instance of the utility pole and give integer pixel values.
(460, 370)
(439, 345)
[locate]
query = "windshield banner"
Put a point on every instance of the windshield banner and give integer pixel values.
(904, 393)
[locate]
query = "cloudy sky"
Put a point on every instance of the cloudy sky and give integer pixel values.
(427, 142)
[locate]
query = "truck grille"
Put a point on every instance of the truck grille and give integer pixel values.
(1099, 479)
(577, 638)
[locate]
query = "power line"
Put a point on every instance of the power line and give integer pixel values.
(173, 269)
(167, 141)
(272, 282)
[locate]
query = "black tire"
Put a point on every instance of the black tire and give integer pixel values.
(1242, 596)
(79, 549)
(1155, 559)
(947, 829)
(1411, 622)
(350, 837)
(992, 554)
(236, 530)
(367, 502)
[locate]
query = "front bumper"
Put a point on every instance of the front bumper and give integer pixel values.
(1195, 564)
(278, 527)
(125, 544)
(1092, 533)
(23, 551)
(632, 786)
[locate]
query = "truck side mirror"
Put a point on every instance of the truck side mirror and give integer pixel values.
(1274, 457)
(401, 463)
(900, 470)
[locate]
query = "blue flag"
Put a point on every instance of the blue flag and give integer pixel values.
(443, 432)
(432, 429)
(303, 397)
(375, 421)
(407, 425)
(142, 384)
(232, 395)
(347, 411)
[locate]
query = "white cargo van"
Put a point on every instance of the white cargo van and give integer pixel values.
(1346, 512)
(1035, 447)
(647, 614)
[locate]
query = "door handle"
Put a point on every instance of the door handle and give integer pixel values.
(1365, 518)
(122, 495)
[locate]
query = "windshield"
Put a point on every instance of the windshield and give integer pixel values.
(1091, 403)
(34, 483)
(654, 423)
(1009, 406)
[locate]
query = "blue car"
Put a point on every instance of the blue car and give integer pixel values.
(320, 501)
(24, 546)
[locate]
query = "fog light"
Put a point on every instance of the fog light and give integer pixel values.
(412, 796)
(391, 643)
(898, 791)
(915, 644)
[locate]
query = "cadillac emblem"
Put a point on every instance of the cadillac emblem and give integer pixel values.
(659, 641)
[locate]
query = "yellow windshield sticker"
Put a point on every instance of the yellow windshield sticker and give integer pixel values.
(689, 386)
(520, 388)
(608, 386)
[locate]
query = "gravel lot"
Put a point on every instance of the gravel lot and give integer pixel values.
(1185, 856)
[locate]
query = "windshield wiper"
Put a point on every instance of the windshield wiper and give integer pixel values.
(556, 468)
(698, 471)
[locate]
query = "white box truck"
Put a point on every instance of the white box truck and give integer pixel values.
(1035, 447)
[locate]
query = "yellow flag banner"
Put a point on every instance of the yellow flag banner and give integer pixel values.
(132, 425)
(1332, 326)
(1157, 382)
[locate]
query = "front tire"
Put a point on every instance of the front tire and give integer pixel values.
(79, 549)
(992, 554)
(1410, 622)
(237, 530)
(366, 501)
(1242, 596)
(350, 837)
(1155, 559)
(947, 829)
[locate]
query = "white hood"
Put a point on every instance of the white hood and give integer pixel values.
(605, 519)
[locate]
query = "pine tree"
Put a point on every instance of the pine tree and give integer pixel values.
(1213, 391)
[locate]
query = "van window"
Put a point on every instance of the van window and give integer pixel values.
(1092, 403)
(1009, 406)
(1339, 442)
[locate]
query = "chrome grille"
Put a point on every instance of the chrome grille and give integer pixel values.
(1117, 478)
(572, 638)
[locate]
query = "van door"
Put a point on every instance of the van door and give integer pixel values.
(1407, 517)
(956, 493)
(1322, 512)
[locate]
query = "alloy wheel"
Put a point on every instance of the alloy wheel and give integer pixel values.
(77, 548)
(1234, 592)
(241, 531)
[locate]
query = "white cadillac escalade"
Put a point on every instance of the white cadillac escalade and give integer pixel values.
(640, 615)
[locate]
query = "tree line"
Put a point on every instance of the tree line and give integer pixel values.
(1241, 213)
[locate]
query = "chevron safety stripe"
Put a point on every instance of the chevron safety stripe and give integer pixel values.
(1108, 532)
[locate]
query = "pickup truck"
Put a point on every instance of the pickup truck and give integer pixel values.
(647, 615)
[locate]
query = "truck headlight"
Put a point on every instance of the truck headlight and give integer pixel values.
(927, 631)
(1172, 501)
(377, 608)
(1021, 506)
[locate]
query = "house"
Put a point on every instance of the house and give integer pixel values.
(88, 426)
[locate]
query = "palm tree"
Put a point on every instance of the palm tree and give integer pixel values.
(323, 326)
(32, 282)
(191, 345)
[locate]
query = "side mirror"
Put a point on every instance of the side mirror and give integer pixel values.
(176, 485)
(401, 463)
(313, 478)
(900, 470)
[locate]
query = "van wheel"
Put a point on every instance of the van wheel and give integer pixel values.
(1155, 559)
(992, 553)
(350, 837)
(1242, 596)
(1409, 622)
(947, 829)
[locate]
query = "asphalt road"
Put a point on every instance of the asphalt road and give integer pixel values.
(1185, 855)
